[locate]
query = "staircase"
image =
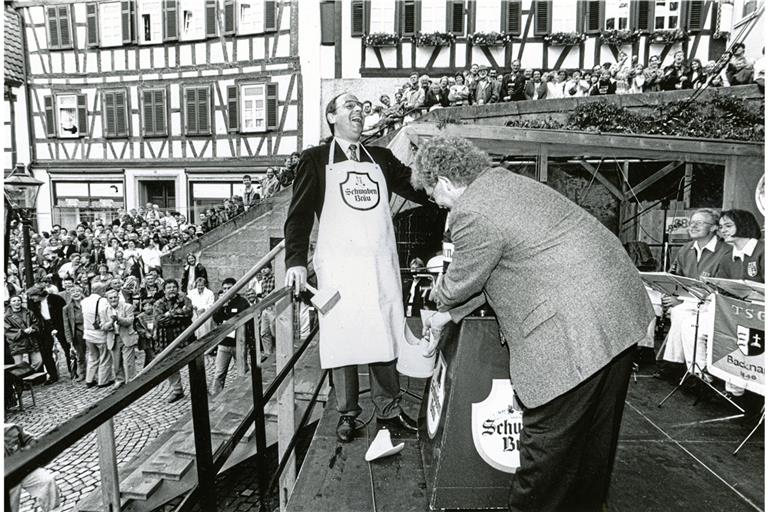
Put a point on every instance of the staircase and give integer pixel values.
(166, 468)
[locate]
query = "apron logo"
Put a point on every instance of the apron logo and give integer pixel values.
(359, 191)
(751, 341)
(752, 269)
(496, 427)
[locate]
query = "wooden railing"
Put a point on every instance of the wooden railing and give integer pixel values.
(186, 351)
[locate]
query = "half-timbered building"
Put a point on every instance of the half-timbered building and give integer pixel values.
(16, 141)
(541, 34)
(162, 101)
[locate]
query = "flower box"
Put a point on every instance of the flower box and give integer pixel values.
(564, 38)
(668, 36)
(489, 38)
(434, 39)
(381, 40)
(619, 37)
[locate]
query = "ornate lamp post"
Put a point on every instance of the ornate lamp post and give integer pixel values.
(21, 191)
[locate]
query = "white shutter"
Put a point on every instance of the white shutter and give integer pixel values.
(150, 12)
(253, 108)
(191, 20)
(383, 16)
(564, 16)
(250, 15)
(487, 14)
(111, 24)
(433, 16)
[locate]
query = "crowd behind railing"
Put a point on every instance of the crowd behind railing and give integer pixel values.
(482, 85)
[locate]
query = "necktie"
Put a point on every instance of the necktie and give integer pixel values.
(352, 153)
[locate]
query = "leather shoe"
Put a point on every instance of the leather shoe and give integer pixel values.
(345, 430)
(50, 381)
(90, 384)
(175, 397)
(106, 384)
(400, 422)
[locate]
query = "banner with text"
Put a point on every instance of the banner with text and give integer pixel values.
(736, 352)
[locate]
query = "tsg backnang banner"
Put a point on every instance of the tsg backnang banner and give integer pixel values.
(736, 353)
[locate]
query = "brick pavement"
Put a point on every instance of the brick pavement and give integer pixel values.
(77, 468)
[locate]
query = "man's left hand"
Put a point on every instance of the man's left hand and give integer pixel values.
(436, 322)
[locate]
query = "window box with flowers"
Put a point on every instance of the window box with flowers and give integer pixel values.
(381, 40)
(564, 38)
(668, 36)
(619, 37)
(434, 39)
(489, 38)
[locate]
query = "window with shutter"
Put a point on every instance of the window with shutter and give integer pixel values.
(191, 20)
(511, 14)
(270, 16)
(59, 27)
(357, 16)
(272, 100)
(328, 23)
(190, 113)
(203, 111)
(197, 101)
(50, 120)
(150, 21)
(161, 124)
(110, 24)
(542, 20)
(154, 112)
(121, 115)
(253, 100)
(67, 116)
(116, 114)
(65, 32)
(642, 15)
(82, 115)
(250, 16)
(408, 23)
(593, 22)
(229, 17)
(128, 22)
(696, 14)
(232, 109)
(170, 20)
(109, 114)
(92, 24)
(211, 18)
(455, 13)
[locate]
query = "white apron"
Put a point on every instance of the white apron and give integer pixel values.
(356, 255)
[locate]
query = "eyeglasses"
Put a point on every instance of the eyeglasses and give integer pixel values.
(699, 223)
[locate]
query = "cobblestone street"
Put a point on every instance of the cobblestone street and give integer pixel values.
(77, 468)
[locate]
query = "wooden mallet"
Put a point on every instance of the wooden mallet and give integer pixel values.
(324, 300)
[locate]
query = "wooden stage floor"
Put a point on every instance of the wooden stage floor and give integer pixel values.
(664, 461)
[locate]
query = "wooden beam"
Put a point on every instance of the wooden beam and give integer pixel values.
(687, 184)
(613, 189)
(667, 169)
(110, 481)
(201, 424)
(542, 164)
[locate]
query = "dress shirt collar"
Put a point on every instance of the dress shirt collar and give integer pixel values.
(711, 246)
(344, 145)
(746, 251)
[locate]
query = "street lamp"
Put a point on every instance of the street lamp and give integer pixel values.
(21, 191)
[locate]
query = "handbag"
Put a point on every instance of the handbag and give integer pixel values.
(97, 319)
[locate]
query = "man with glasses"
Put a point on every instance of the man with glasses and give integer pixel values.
(696, 259)
(348, 187)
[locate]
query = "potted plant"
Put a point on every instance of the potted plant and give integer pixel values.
(381, 40)
(489, 38)
(434, 39)
(564, 38)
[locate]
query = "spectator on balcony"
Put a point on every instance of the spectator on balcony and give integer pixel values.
(697, 76)
(459, 92)
(637, 79)
(192, 270)
(270, 185)
(676, 74)
(371, 120)
(576, 86)
(250, 196)
(535, 88)
(434, 98)
(604, 85)
(472, 76)
(484, 89)
(513, 84)
(556, 85)
(445, 89)
(173, 314)
(739, 70)
(653, 75)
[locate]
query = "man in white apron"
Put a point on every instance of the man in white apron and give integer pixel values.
(347, 186)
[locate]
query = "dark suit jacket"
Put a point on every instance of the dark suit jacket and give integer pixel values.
(486, 90)
(309, 193)
(70, 325)
(56, 310)
(513, 85)
(567, 297)
(200, 271)
(530, 87)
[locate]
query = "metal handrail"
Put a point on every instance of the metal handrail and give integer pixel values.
(208, 313)
(65, 435)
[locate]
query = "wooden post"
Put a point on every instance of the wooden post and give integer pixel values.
(206, 473)
(260, 431)
(241, 352)
(542, 164)
(687, 185)
(110, 481)
(286, 421)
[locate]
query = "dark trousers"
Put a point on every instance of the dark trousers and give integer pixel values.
(568, 444)
(385, 389)
(46, 352)
(81, 363)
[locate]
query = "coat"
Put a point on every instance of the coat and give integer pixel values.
(567, 297)
(530, 87)
(70, 325)
(200, 271)
(168, 328)
(125, 329)
(18, 341)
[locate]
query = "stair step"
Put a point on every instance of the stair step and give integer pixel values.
(171, 467)
(187, 448)
(92, 502)
(139, 486)
(228, 423)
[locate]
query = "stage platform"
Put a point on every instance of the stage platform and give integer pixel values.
(665, 461)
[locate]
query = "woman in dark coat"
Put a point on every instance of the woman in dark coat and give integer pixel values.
(22, 333)
(192, 270)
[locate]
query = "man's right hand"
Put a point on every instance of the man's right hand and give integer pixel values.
(296, 277)
(670, 301)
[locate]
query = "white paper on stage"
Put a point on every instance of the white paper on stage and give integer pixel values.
(746, 290)
(671, 284)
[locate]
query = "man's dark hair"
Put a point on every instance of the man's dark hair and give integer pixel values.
(330, 108)
(368, 102)
(746, 224)
(247, 176)
(736, 46)
(170, 281)
(229, 280)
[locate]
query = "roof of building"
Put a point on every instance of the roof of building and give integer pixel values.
(13, 62)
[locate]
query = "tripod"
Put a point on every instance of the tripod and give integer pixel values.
(694, 366)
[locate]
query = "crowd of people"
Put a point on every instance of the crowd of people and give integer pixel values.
(482, 85)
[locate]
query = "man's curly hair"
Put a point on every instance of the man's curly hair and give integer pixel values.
(455, 158)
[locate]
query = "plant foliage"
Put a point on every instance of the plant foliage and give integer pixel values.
(434, 39)
(381, 39)
(719, 117)
(565, 38)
